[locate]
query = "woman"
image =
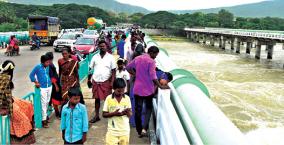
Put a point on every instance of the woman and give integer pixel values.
(56, 97)
(13, 45)
(68, 74)
(20, 111)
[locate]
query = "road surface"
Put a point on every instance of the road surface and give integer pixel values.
(24, 65)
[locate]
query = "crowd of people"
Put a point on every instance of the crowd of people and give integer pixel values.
(123, 86)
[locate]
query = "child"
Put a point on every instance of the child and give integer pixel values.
(120, 46)
(164, 77)
(74, 119)
(117, 109)
(42, 81)
(122, 73)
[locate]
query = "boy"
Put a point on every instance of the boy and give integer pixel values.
(42, 81)
(163, 77)
(74, 119)
(117, 109)
(122, 73)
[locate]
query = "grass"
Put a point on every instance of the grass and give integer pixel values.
(168, 38)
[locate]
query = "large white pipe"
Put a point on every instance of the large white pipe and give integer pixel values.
(213, 126)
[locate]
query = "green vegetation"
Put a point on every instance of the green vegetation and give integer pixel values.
(109, 5)
(168, 38)
(223, 19)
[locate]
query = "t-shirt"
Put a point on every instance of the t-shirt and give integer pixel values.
(117, 125)
(102, 67)
(124, 75)
(145, 68)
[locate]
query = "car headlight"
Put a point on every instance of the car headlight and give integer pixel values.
(54, 43)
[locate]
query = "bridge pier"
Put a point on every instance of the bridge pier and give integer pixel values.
(258, 50)
(212, 40)
(248, 47)
(192, 37)
(224, 43)
(232, 43)
(220, 42)
(187, 35)
(238, 49)
(204, 38)
(197, 37)
(270, 48)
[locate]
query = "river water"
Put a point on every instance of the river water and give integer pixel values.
(250, 92)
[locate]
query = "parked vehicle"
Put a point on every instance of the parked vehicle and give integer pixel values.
(85, 45)
(47, 28)
(66, 40)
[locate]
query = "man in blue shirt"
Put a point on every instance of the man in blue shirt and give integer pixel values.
(74, 119)
(120, 46)
(42, 81)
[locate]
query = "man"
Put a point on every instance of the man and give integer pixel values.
(143, 67)
(36, 40)
(43, 81)
(104, 66)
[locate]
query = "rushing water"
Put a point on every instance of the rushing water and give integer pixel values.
(248, 91)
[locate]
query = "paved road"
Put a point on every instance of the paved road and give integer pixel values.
(24, 64)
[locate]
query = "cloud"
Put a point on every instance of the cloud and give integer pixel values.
(185, 4)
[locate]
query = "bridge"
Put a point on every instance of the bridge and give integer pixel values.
(183, 115)
(236, 37)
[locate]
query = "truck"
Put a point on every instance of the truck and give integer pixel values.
(47, 28)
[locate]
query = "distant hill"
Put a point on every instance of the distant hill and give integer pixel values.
(272, 8)
(110, 5)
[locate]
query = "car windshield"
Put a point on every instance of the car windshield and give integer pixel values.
(90, 32)
(68, 36)
(84, 41)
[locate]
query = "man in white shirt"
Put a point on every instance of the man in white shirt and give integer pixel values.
(104, 66)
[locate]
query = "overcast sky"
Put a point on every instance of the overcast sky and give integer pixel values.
(155, 5)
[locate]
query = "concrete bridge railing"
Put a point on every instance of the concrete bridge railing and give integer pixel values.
(276, 35)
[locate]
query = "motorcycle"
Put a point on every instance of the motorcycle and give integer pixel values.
(12, 51)
(33, 45)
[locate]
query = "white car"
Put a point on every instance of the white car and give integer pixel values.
(91, 34)
(67, 40)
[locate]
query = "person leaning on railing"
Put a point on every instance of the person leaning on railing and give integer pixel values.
(20, 111)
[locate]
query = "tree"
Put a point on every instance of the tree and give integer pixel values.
(160, 19)
(226, 19)
(136, 17)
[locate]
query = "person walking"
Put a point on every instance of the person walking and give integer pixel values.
(104, 66)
